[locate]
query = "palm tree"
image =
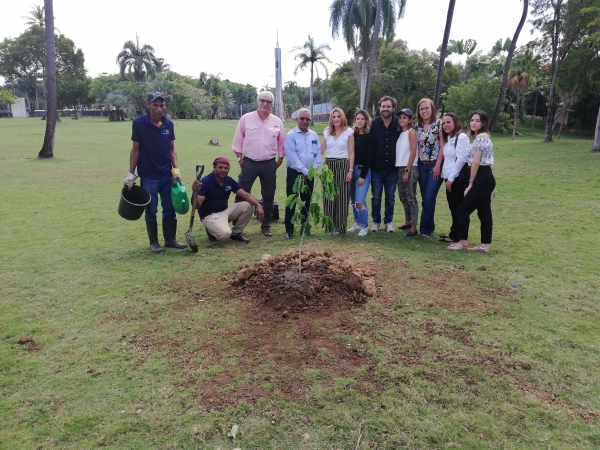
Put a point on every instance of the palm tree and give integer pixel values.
(311, 55)
(36, 17)
(160, 66)
(440, 72)
(511, 51)
(518, 83)
(356, 19)
(47, 150)
(138, 59)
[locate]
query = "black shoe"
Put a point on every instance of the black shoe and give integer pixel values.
(289, 234)
(152, 229)
(169, 231)
(239, 238)
(210, 236)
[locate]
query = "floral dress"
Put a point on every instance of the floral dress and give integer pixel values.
(429, 142)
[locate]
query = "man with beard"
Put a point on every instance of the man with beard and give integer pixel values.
(384, 174)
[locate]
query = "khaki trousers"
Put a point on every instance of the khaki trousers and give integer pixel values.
(239, 214)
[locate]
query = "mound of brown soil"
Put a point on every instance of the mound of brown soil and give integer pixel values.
(326, 282)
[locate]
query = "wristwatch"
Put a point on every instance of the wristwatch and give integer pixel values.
(239, 158)
(407, 170)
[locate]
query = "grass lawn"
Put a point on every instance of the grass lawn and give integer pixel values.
(459, 350)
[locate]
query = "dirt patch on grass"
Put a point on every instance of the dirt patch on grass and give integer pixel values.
(29, 343)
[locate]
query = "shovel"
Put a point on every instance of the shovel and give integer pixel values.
(188, 235)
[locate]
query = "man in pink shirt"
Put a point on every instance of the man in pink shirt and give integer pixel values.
(258, 145)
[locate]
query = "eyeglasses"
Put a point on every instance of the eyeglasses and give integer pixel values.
(425, 108)
(263, 100)
(304, 119)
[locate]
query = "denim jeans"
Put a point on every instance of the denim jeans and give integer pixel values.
(158, 187)
(358, 194)
(381, 181)
(429, 191)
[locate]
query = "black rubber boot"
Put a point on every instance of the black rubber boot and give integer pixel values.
(169, 232)
(210, 236)
(152, 229)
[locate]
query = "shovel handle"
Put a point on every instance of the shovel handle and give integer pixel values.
(199, 172)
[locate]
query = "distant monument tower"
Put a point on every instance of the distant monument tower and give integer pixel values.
(278, 83)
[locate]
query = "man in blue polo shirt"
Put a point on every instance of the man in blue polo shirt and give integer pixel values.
(301, 150)
(154, 155)
(213, 196)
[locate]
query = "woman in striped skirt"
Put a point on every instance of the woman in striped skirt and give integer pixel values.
(338, 147)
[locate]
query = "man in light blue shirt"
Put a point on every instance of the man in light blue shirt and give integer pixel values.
(301, 150)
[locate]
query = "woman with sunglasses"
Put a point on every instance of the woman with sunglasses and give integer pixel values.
(338, 147)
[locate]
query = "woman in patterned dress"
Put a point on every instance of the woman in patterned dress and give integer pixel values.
(479, 193)
(431, 154)
(338, 147)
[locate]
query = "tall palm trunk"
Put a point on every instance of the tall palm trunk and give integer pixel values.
(372, 55)
(515, 118)
(363, 78)
(509, 57)
(311, 92)
(596, 147)
(47, 150)
(440, 73)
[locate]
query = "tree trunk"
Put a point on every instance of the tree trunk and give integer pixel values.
(596, 147)
(47, 150)
(511, 51)
(551, 114)
(440, 73)
(372, 55)
(363, 80)
(515, 119)
(311, 92)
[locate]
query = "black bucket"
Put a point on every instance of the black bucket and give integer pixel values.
(133, 202)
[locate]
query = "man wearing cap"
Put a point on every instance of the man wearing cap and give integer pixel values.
(301, 150)
(258, 146)
(383, 170)
(213, 195)
(154, 155)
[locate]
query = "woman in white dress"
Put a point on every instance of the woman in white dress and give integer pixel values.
(338, 147)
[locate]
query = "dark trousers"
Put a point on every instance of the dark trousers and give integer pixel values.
(266, 171)
(455, 198)
(289, 186)
(478, 198)
(380, 182)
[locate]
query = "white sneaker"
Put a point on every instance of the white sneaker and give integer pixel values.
(375, 227)
(354, 227)
(363, 232)
(389, 227)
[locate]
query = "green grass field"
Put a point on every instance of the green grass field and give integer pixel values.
(122, 343)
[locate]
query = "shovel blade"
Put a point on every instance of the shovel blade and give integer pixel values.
(191, 242)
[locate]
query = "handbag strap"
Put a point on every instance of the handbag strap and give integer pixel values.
(455, 142)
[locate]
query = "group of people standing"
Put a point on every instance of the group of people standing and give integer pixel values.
(385, 153)
(388, 153)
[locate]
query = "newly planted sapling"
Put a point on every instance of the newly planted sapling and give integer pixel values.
(304, 214)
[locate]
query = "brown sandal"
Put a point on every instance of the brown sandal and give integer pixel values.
(479, 248)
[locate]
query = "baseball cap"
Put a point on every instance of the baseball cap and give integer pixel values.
(154, 95)
(221, 160)
(407, 112)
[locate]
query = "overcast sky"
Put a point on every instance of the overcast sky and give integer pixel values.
(236, 37)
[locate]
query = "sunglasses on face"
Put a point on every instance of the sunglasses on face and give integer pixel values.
(304, 119)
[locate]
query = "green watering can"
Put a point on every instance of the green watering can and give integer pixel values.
(179, 198)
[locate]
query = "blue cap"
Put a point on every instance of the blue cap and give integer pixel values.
(154, 95)
(406, 111)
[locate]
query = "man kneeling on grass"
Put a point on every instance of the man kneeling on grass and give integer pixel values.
(213, 196)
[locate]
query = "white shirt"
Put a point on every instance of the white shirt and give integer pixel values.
(403, 150)
(455, 157)
(337, 148)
